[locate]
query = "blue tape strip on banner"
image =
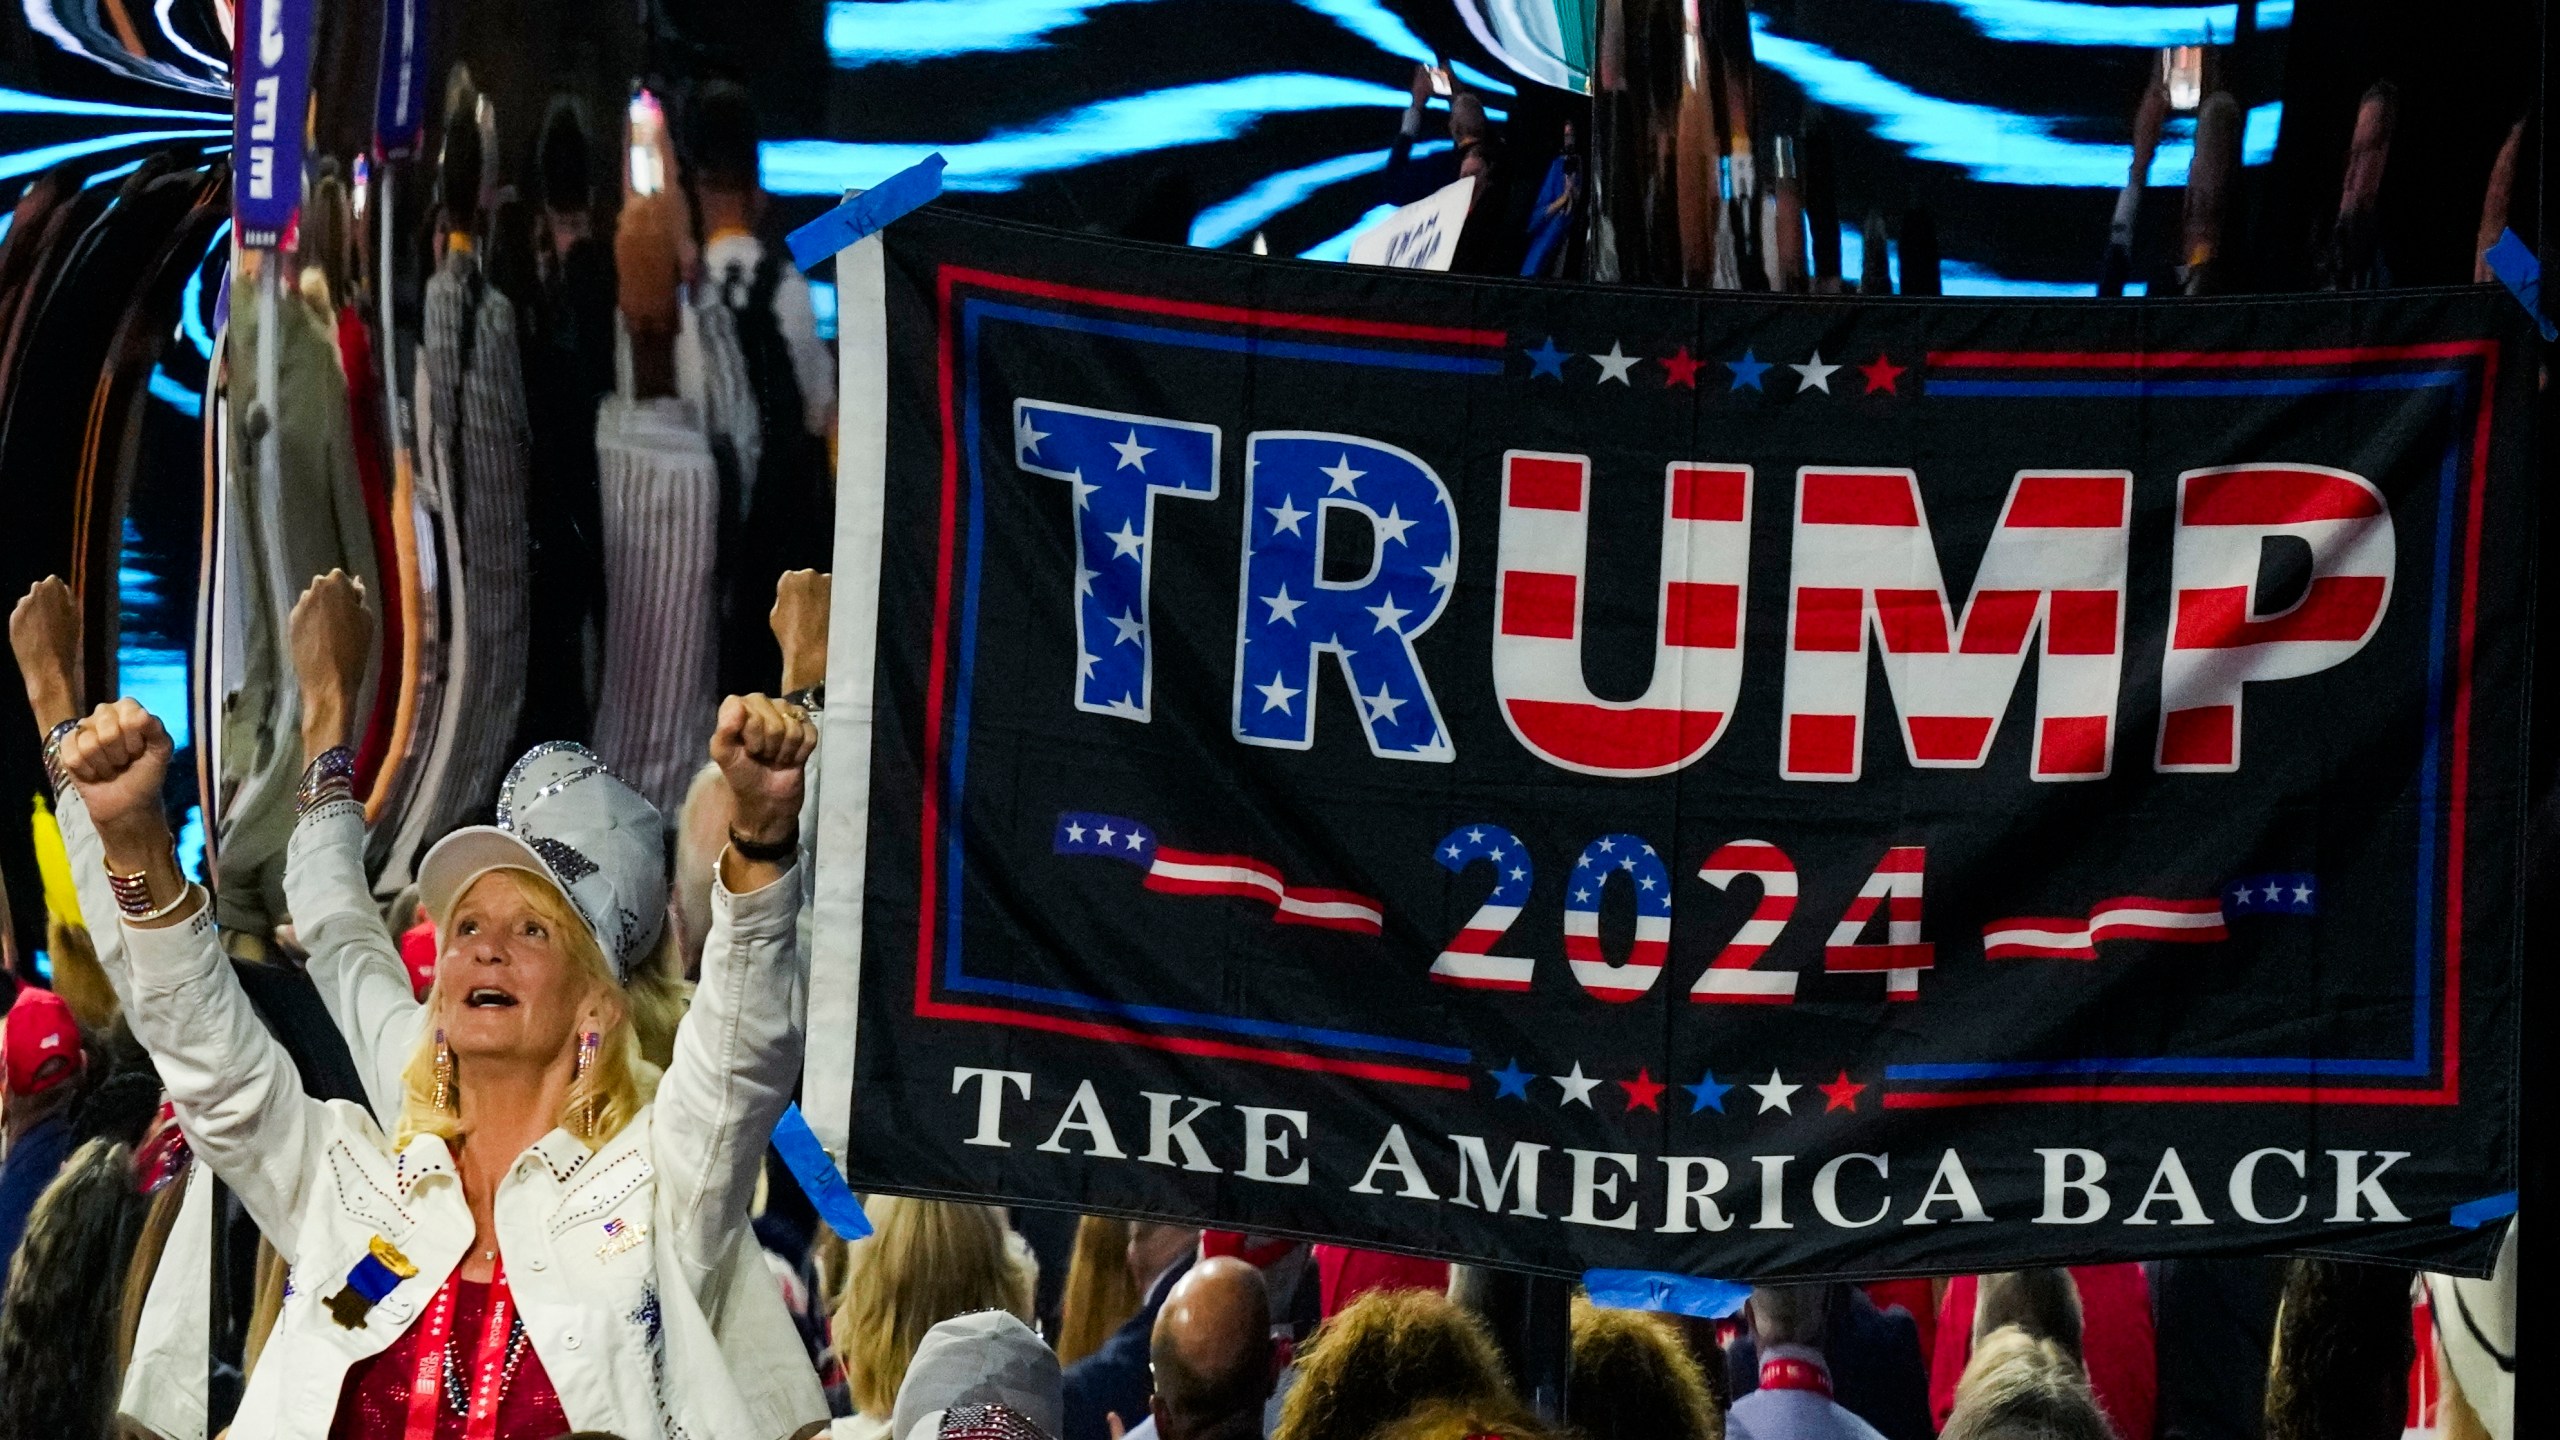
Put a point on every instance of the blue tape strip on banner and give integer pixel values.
(867, 212)
(2513, 262)
(809, 1163)
(1660, 1290)
(2472, 1214)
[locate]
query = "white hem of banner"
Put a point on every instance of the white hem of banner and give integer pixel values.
(853, 638)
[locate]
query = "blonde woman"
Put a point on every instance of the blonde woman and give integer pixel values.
(924, 1262)
(1101, 1294)
(542, 1240)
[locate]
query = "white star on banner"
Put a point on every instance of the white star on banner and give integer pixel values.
(1027, 437)
(1131, 628)
(1773, 1096)
(1285, 516)
(1444, 574)
(1085, 664)
(1076, 833)
(1126, 542)
(1392, 528)
(1813, 375)
(1084, 579)
(1390, 615)
(1284, 610)
(1084, 492)
(1133, 456)
(1577, 1087)
(1615, 364)
(1277, 694)
(1383, 706)
(1341, 473)
(1106, 834)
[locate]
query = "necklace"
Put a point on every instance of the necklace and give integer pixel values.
(456, 1392)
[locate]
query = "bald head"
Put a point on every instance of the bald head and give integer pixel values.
(1212, 1349)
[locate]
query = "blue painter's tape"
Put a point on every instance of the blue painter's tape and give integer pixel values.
(2513, 262)
(866, 212)
(2472, 1214)
(1660, 1290)
(819, 1179)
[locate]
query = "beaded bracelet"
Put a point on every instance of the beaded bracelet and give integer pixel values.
(327, 778)
(133, 896)
(53, 739)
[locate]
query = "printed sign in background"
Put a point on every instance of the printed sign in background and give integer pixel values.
(1595, 778)
(274, 81)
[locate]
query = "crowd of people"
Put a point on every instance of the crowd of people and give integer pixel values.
(488, 1160)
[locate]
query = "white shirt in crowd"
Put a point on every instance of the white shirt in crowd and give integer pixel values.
(792, 315)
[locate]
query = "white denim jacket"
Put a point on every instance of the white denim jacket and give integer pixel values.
(636, 1274)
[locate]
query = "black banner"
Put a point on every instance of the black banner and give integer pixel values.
(1596, 778)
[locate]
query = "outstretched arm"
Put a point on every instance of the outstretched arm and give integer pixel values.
(738, 1049)
(355, 961)
(235, 1089)
(44, 633)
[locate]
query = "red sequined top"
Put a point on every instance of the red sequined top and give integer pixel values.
(374, 1403)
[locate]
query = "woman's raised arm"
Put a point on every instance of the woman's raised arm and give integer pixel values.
(737, 1050)
(235, 1089)
(355, 962)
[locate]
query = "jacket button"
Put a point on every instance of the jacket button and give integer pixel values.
(570, 1340)
(537, 1264)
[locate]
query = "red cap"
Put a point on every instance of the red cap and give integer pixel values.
(40, 1045)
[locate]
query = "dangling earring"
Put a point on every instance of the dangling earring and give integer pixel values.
(443, 1098)
(590, 1106)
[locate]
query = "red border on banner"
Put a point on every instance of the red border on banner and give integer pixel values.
(2457, 803)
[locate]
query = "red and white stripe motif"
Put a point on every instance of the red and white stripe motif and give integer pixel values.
(2217, 640)
(1729, 978)
(2129, 917)
(1865, 561)
(1185, 872)
(1897, 884)
(1538, 617)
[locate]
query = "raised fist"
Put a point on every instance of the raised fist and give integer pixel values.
(332, 637)
(44, 630)
(760, 746)
(799, 619)
(119, 758)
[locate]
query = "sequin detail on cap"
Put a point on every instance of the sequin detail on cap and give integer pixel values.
(595, 765)
(562, 857)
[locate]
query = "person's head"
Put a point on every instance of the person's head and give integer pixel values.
(2019, 1386)
(1791, 1315)
(1212, 1351)
(924, 1262)
(1153, 1246)
(542, 920)
(2343, 1344)
(1384, 1354)
(327, 227)
(1472, 1420)
(2044, 1303)
(41, 1058)
(1633, 1379)
(568, 186)
(1100, 1294)
(990, 1358)
(721, 140)
(458, 162)
(58, 1322)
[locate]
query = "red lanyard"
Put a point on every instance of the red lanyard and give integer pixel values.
(1787, 1373)
(488, 1368)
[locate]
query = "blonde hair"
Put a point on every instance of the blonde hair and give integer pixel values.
(1100, 1291)
(600, 1102)
(924, 1262)
(1633, 1375)
(2022, 1386)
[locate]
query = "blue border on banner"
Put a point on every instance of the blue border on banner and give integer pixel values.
(2458, 381)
